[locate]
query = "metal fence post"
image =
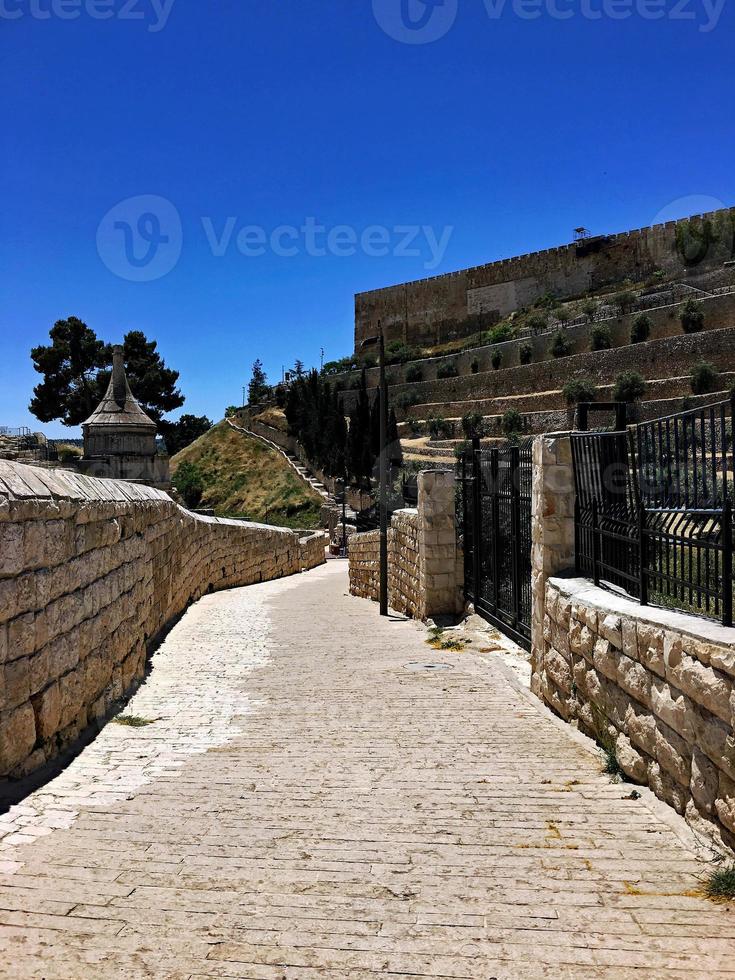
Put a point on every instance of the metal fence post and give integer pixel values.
(515, 517)
(727, 563)
(642, 555)
(495, 517)
(595, 546)
(476, 519)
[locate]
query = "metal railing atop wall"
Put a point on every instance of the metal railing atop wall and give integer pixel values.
(653, 513)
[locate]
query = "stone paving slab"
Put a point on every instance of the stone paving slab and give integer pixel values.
(304, 806)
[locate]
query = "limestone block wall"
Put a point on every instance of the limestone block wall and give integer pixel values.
(652, 685)
(669, 357)
(403, 564)
(91, 573)
(311, 549)
(719, 313)
(435, 310)
(424, 564)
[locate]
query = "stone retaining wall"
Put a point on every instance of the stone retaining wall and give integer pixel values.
(403, 564)
(719, 314)
(424, 564)
(91, 573)
(651, 685)
(668, 357)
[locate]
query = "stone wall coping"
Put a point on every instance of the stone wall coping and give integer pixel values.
(698, 627)
(22, 482)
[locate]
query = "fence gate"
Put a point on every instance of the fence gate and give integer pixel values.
(496, 491)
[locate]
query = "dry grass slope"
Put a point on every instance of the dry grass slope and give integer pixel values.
(244, 478)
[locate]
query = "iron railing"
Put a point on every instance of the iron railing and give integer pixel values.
(496, 532)
(653, 514)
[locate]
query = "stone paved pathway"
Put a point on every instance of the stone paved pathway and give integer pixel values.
(306, 806)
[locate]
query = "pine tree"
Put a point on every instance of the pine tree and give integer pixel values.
(258, 387)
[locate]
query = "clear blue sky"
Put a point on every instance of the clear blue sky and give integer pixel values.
(509, 130)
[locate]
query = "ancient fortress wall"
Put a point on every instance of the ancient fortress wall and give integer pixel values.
(91, 573)
(433, 310)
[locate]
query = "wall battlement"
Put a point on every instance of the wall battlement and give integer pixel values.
(440, 308)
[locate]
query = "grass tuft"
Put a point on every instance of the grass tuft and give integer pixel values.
(720, 883)
(611, 765)
(133, 721)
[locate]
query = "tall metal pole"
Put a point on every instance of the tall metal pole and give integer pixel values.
(383, 493)
(344, 517)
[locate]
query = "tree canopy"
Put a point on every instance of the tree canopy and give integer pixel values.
(258, 386)
(76, 371)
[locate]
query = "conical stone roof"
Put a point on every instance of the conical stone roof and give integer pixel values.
(119, 406)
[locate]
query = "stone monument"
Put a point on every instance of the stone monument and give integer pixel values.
(120, 439)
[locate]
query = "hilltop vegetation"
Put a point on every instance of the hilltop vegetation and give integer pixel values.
(241, 477)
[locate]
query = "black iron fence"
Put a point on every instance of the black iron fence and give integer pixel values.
(496, 532)
(654, 510)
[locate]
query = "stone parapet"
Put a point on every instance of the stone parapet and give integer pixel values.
(654, 687)
(91, 574)
(552, 525)
(424, 565)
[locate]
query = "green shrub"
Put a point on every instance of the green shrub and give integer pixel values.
(561, 344)
(629, 386)
(525, 353)
(473, 425)
(440, 428)
(704, 378)
(692, 317)
(448, 370)
(499, 334)
(589, 308)
(537, 322)
(190, 484)
(512, 422)
(232, 410)
(68, 452)
(720, 883)
(563, 315)
(641, 329)
(546, 302)
(406, 400)
(496, 360)
(475, 366)
(579, 390)
(600, 338)
(414, 373)
(625, 300)
(396, 352)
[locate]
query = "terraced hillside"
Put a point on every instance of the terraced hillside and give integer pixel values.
(242, 477)
(527, 375)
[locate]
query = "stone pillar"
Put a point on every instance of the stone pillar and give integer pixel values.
(437, 544)
(552, 530)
